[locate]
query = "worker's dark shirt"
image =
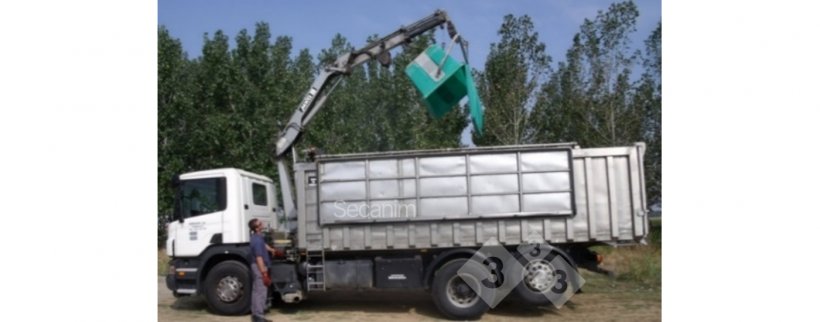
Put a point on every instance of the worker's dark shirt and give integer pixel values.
(258, 249)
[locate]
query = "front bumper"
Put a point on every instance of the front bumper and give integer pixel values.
(183, 276)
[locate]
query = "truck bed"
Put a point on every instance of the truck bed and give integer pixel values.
(558, 193)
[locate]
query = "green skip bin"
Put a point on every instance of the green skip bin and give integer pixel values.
(442, 88)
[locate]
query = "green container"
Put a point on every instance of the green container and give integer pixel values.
(443, 89)
(476, 112)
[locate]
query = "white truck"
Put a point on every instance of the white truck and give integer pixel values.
(407, 219)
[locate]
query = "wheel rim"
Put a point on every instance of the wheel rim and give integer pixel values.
(460, 294)
(539, 275)
(229, 289)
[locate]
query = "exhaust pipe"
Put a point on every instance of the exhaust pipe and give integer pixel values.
(294, 297)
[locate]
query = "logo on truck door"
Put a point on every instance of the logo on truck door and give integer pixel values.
(312, 180)
(194, 229)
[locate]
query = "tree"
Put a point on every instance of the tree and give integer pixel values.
(588, 99)
(174, 105)
(515, 67)
(648, 100)
(214, 125)
(255, 86)
(334, 128)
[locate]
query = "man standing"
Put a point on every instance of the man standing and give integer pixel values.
(260, 261)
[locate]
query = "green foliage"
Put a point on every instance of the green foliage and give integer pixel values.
(175, 103)
(648, 100)
(642, 264)
(226, 108)
(655, 231)
(587, 99)
(514, 69)
(591, 100)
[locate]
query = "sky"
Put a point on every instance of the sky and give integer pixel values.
(312, 23)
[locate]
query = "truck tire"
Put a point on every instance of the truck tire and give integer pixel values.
(541, 277)
(228, 288)
(453, 297)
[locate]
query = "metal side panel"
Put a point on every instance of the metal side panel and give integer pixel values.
(302, 218)
(637, 189)
(445, 185)
(599, 194)
(379, 236)
(620, 191)
(582, 194)
(608, 193)
(309, 232)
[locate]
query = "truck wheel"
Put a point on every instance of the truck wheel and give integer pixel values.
(541, 278)
(452, 294)
(228, 288)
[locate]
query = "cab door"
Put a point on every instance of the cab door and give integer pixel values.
(259, 201)
(202, 206)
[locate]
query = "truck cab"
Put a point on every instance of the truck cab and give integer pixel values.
(210, 228)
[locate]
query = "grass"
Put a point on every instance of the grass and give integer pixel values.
(162, 262)
(638, 264)
(641, 263)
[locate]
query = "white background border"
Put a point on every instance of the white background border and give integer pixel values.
(78, 134)
(79, 156)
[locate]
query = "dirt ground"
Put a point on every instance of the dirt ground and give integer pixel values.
(603, 299)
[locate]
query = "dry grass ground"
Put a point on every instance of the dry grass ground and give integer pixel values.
(162, 262)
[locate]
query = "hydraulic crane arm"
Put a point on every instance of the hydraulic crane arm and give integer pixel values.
(329, 76)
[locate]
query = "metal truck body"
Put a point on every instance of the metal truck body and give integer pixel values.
(464, 197)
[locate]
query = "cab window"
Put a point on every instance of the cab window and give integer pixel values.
(260, 194)
(202, 196)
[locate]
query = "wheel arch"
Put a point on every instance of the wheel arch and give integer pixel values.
(444, 258)
(563, 253)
